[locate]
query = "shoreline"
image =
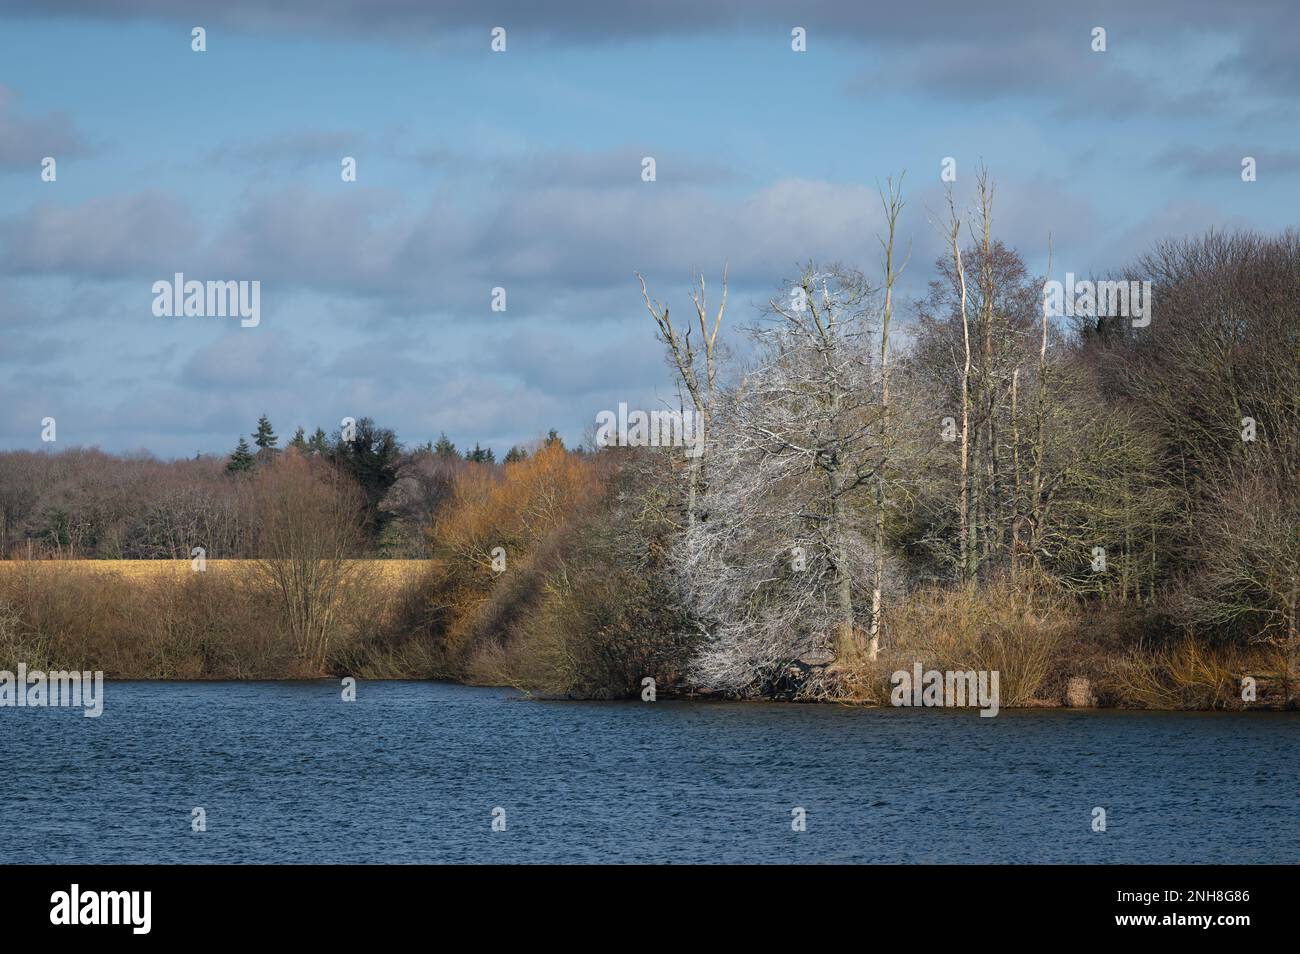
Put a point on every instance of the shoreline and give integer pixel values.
(701, 698)
(157, 621)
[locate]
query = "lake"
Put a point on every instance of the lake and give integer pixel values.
(412, 771)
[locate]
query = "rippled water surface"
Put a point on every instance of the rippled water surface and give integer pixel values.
(411, 772)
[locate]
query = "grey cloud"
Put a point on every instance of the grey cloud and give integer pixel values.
(540, 243)
(615, 168)
(1224, 161)
(1268, 60)
(563, 250)
(1267, 23)
(582, 19)
(238, 358)
(570, 235)
(387, 358)
(339, 241)
(172, 417)
(24, 350)
(997, 48)
(296, 149)
(26, 139)
(1054, 66)
(107, 237)
(572, 365)
(1178, 218)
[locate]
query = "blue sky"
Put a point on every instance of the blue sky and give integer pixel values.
(522, 170)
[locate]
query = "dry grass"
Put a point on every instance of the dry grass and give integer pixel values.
(157, 619)
(1184, 676)
(1018, 629)
(389, 572)
(1188, 674)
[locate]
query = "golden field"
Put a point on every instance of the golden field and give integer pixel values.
(159, 619)
(392, 572)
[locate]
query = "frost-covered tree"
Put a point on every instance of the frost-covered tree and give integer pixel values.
(775, 569)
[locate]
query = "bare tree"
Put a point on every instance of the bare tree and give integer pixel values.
(772, 572)
(684, 354)
(892, 203)
(991, 495)
(1250, 581)
(309, 529)
(964, 559)
(1036, 486)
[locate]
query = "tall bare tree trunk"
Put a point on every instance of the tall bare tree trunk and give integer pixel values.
(1036, 530)
(846, 644)
(893, 205)
(963, 504)
(993, 525)
(1015, 470)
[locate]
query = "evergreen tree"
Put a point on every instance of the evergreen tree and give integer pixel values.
(242, 459)
(319, 443)
(516, 454)
(265, 438)
(299, 442)
(553, 439)
(445, 448)
(372, 457)
(481, 455)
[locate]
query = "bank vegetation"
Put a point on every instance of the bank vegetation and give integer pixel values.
(1103, 510)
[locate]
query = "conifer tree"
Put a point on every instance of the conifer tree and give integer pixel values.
(264, 438)
(242, 459)
(445, 448)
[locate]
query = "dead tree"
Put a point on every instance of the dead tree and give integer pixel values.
(964, 548)
(684, 354)
(892, 203)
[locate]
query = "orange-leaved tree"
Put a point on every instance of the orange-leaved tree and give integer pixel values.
(498, 519)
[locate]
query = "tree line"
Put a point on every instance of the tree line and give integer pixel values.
(1092, 506)
(83, 503)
